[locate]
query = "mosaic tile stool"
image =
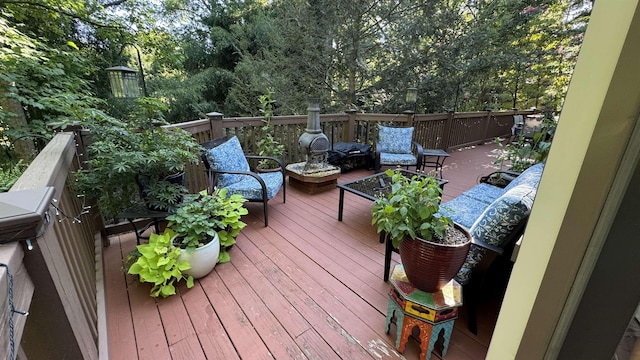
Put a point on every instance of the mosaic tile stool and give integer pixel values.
(431, 313)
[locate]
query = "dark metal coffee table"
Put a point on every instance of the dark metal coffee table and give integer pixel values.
(372, 186)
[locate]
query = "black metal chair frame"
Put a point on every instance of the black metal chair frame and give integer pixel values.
(212, 175)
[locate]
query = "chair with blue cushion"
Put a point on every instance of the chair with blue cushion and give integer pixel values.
(228, 167)
(395, 147)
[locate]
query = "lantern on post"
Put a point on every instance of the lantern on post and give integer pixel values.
(124, 80)
(412, 97)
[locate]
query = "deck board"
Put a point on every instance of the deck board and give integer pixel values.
(212, 336)
(306, 287)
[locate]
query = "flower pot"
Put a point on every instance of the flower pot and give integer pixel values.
(202, 259)
(430, 266)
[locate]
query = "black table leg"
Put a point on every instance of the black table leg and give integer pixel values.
(341, 204)
(140, 231)
(388, 249)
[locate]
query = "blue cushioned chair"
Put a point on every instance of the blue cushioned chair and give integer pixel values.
(228, 167)
(394, 147)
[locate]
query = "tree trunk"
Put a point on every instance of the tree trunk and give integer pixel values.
(16, 119)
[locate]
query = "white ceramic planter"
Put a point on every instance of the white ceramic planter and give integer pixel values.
(203, 259)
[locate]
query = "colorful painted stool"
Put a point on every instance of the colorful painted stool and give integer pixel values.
(432, 313)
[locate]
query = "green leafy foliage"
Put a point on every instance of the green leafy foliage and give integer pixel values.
(410, 209)
(158, 264)
(524, 153)
(203, 215)
(122, 150)
(267, 144)
(10, 174)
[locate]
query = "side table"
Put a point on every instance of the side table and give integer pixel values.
(437, 163)
(139, 211)
(431, 313)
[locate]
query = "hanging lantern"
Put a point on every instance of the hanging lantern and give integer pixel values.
(412, 95)
(124, 82)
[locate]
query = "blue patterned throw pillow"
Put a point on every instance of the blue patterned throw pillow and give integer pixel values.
(228, 156)
(497, 224)
(395, 140)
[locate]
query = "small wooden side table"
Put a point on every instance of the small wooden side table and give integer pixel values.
(432, 313)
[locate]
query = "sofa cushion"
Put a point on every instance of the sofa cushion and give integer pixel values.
(497, 224)
(530, 176)
(397, 159)
(484, 193)
(228, 156)
(395, 140)
(250, 188)
(464, 210)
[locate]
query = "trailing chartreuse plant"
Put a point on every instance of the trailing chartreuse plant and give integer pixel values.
(203, 215)
(411, 209)
(158, 264)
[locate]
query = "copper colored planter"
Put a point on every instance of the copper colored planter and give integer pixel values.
(430, 266)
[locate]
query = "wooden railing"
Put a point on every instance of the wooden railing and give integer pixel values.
(448, 131)
(59, 281)
(66, 311)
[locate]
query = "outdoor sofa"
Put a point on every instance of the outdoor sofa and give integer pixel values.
(495, 216)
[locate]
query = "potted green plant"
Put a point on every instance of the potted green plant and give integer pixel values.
(122, 154)
(266, 143)
(432, 248)
(158, 263)
(206, 225)
(523, 153)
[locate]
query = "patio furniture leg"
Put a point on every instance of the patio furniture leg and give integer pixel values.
(387, 255)
(341, 204)
(393, 309)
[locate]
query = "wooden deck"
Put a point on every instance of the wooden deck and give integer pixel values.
(306, 287)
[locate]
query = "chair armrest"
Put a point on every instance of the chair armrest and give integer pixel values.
(493, 248)
(248, 173)
(506, 177)
(258, 157)
(419, 154)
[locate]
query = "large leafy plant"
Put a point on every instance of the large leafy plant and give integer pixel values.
(158, 264)
(120, 151)
(202, 216)
(411, 209)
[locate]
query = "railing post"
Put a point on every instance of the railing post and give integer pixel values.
(349, 131)
(447, 130)
(486, 127)
(410, 114)
(215, 122)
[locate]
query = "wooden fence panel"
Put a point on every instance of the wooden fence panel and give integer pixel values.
(430, 130)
